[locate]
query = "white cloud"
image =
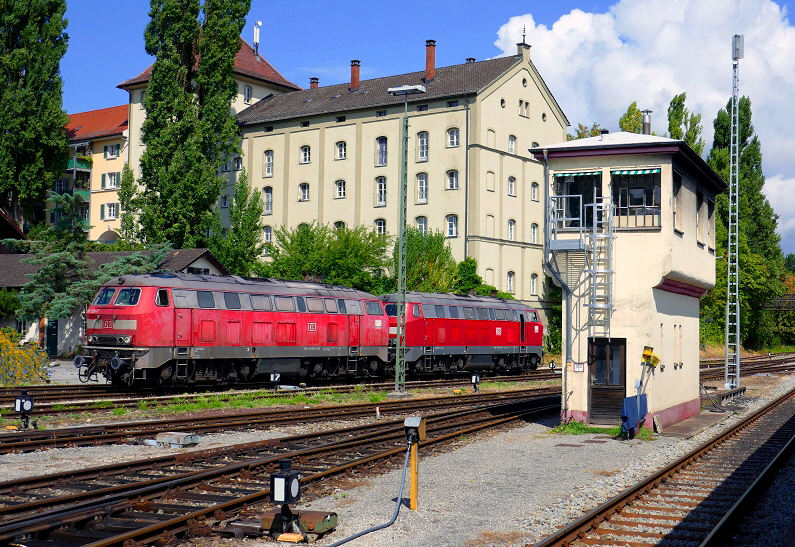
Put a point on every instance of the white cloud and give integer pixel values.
(596, 64)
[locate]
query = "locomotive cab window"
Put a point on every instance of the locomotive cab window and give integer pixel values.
(416, 310)
(331, 305)
(105, 296)
(161, 299)
(206, 299)
(374, 308)
(343, 307)
(232, 300)
(285, 303)
(261, 302)
(391, 310)
(353, 307)
(128, 297)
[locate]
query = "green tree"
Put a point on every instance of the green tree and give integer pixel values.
(189, 130)
(9, 302)
(632, 120)
(127, 197)
(683, 125)
(240, 246)
(430, 266)
(583, 131)
(789, 263)
(469, 280)
(761, 261)
(33, 142)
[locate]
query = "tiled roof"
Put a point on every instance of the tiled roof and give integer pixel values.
(450, 81)
(246, 64)
(97, 123)
(13, 272)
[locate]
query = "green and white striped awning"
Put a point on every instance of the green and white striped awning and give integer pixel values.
(581, 174)
(636, 172)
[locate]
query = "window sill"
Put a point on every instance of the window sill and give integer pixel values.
(700, 245)
(421, 203)
(340, 159)
(379, 205)
(421, 160)
(453, 189)
(679, 232)
(304, 162)
(268, 176)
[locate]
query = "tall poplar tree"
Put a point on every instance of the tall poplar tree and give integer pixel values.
(33, 142)
(189, 129)
(683, 125)
(632, 120)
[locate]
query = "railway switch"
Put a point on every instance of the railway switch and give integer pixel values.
(24, 404)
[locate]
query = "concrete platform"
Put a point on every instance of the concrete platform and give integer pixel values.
(693, 425)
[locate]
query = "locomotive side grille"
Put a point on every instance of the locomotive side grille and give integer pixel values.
(108, 340)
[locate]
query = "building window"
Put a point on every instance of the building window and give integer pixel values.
(339, 225)
(303, 192)
(452, 225)
(380, 192)
(422, 225)
(700, 220)
(238, 163)
(306, 154)
(452, 180)
(422, 146)
(111, 151)
(637, 196)
(580, 188)
(380, 226)
(339, 189)
(534, 284)
(452, 137)
(380, 113)
(511, 278)
(511, 230)
(511, 186)
(511, 144)
(108, 211)
(422, 108)
(422, 187)
(247, 94)
(677, 201)
(110, 180)
(22, 326)
(62, 185)
(305, 124)
(84, 212)
(534, 191)
(451, 104)
(143, 97)
(534, 233)
(268, 167)
(381, 151)
(534, 144)
(225, 167)
(267, 238)
(224, 201)
(340, 119)
(268, 205)
(342, 150)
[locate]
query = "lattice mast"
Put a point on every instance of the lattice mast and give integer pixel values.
(732, 367)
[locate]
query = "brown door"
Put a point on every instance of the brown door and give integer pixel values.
(607, 368)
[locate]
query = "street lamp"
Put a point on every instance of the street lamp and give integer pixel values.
(400, 351)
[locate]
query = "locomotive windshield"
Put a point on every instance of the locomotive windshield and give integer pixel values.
(391, 310)
(105, 296)
(128, 297)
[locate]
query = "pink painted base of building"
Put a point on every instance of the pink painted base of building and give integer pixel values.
(666, 417)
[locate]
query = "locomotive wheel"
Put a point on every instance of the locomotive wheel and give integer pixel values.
(534, 362)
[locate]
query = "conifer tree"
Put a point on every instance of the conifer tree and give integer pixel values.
(189, 130)
(33, 142)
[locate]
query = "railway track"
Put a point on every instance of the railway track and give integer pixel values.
(26, 441)
(204, 492)
(695, 500)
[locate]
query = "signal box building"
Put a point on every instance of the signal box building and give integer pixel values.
(631, 236)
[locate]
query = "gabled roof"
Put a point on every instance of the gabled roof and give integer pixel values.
(450, 81)
(14, 272)
(93, 124)
(247, 63)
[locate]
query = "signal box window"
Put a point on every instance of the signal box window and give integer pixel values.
(572, 192)
(637, 194)
(261, 302)
(128, 297)
(232, 300)
(162, 297)
(374, 308)
(105, 296)
(205, 299)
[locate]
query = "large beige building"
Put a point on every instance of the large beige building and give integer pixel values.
(632, 237)
(332, 155)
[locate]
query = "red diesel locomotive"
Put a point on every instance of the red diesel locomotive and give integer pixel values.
(451, 332)
(173, 328)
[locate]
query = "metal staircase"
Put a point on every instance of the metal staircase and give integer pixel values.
(600, 236)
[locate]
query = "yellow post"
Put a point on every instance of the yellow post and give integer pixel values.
(415, 471)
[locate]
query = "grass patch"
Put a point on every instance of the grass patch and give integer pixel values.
(104, 404)
(119, 411)
(579, 428)
(59, 407)
(142, 404)
(497, 385)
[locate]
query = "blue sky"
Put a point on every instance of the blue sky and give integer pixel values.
(595, 56)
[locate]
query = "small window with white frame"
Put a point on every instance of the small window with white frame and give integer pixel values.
(422, 188)
(511, 282)
(110, 180)
(111, 210)
(512, 186)
(422, 224)
(511, 230)
(511, 144)
(238, 163)
(341, 150)
(303, 192)
(534, 233)
(534, 284)
(306, 154)
(380, 226)
(247, 94)
(381, 151)
(380, 192)
(339, 189)
(422, 146)
(267, 167)
(267, 193)
(452, 179)
(534, 191)
(452, 137)
(452, 225)
(267, 238)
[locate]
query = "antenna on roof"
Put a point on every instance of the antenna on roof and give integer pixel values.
(523, 33)
(257, 25)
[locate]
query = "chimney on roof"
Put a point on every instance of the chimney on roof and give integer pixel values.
(470, 59)
(603, 133)
(430, 60)
(647, 122)
(355, 64)
(313, 82)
